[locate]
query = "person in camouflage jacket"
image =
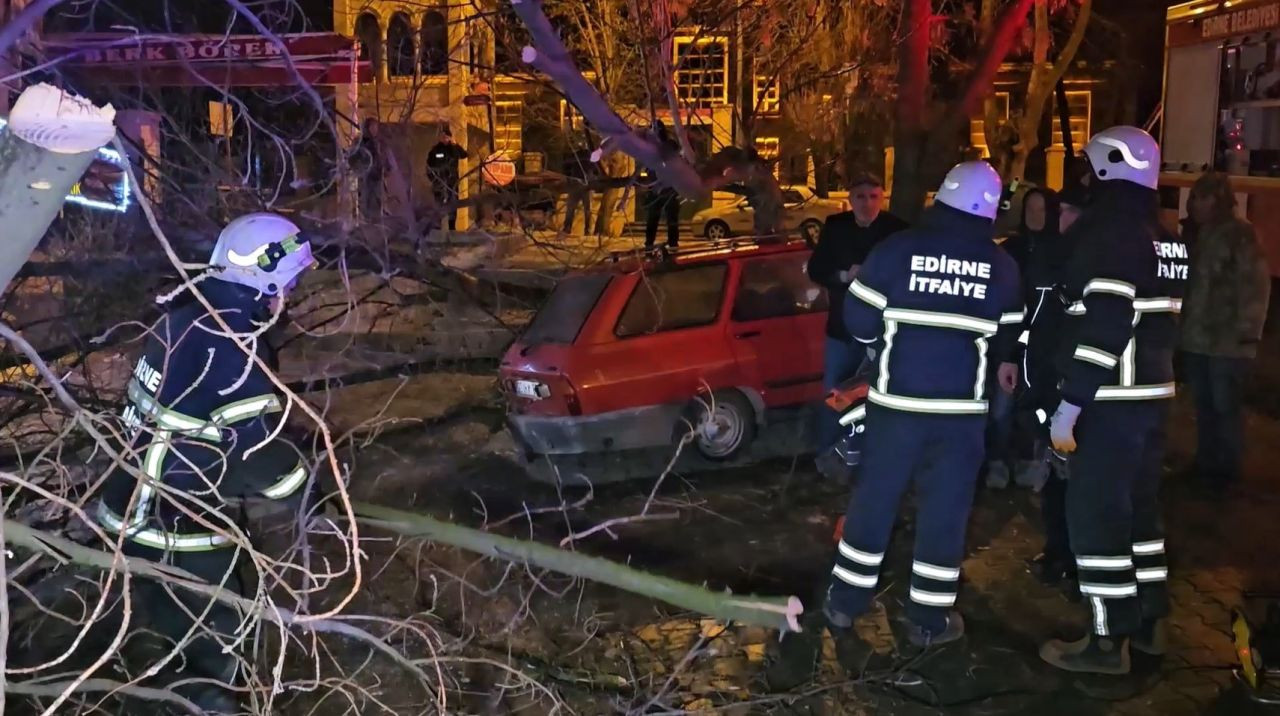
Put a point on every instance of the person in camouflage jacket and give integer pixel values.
(1223, 313)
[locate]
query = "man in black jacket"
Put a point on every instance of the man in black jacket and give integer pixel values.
(846, 240)
(442, 170)
(1124, 286)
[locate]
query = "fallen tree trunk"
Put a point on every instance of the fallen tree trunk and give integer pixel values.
(780, 613)
(49, 142)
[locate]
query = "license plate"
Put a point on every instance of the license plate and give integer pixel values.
(528, 389)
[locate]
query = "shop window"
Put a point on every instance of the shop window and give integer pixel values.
(435, 43)
(701, 70)
(370, 37)
(400, 56)
(777, 287)
(670, 300)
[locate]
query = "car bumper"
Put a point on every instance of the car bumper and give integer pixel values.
(649, 426)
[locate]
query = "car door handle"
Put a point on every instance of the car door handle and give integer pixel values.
(747, 334)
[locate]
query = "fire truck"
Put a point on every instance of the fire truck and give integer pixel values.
(1221, 108)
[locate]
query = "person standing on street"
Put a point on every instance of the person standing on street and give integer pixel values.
(442, 170)
(1035, 242)
(936, 304)
(205, 421)
(843, 245)
(1045, 316)
(662, 200)
(1222, 318)
(1124, 282)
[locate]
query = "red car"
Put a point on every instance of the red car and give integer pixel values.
(637, 353)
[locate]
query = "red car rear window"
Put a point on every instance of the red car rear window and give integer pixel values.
(667, 300)
(566, 310)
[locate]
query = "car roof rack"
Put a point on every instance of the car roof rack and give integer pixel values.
(729, 246)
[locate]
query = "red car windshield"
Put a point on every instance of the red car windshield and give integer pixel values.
(571, 301)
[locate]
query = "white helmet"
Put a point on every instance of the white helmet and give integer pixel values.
(972, 187)
(1125, 154)
(262, 251)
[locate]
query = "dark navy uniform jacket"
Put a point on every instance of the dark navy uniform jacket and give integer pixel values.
(201, 416)
(1124, 287)
(940, 303)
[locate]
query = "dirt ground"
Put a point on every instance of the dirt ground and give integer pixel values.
(767, 529)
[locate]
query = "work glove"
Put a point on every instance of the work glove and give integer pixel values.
(1062, 428)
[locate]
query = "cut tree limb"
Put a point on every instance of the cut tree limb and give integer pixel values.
(780, 613)
(49, 142)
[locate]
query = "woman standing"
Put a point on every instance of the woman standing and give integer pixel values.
(1036, 247)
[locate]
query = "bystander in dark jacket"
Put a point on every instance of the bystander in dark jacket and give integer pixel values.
(1228, 292)
(843, 245)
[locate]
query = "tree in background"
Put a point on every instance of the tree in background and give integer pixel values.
(930, 114)
(1013, 144)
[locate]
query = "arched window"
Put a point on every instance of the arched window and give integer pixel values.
(370, 37)
(435, 44)
(400, 58)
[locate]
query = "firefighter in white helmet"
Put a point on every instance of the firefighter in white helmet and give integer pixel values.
(1123, 291)
(936, 305)
(202, 421)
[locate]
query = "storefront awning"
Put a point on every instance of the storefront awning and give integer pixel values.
(209, 60)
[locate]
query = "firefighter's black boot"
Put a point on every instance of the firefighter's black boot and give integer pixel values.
(917, 637)
(1091, 655)
(1152, 638)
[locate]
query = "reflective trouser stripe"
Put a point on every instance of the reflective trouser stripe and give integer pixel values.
(1155, 546)
(158, 539)
(932, 599)
(946, 574)
(866, 558)
(858, 580)
(1153, 574)
(288, 484)
(1104, 563)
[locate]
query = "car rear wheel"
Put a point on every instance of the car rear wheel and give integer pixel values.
(811, 229)
(716, 230)
(723, 424)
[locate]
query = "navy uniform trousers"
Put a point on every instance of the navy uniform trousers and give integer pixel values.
(941, 455)
(1113, 513)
